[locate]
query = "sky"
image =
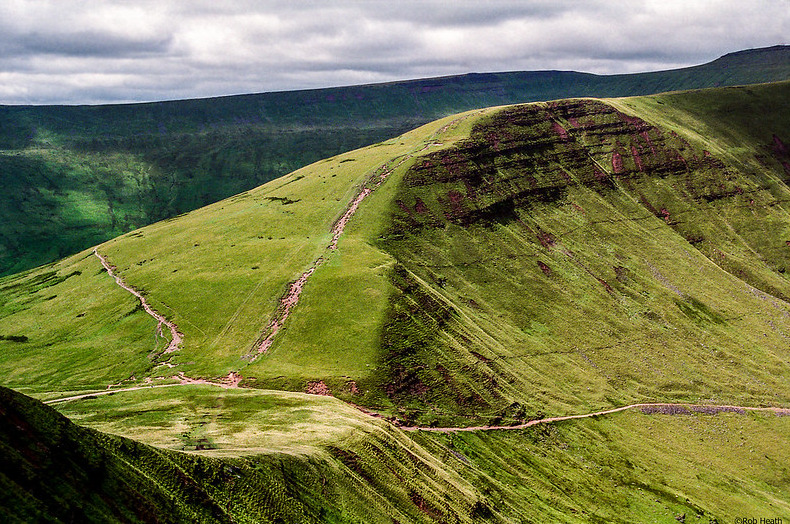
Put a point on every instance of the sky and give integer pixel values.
(90, 51)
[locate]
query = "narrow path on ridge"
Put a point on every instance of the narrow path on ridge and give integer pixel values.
(231, 381)
(647, 408)
(176, 335)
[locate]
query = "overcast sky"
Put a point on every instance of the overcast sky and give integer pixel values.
(89, 51)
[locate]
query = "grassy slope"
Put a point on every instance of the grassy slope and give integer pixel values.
(630, 468)
(75, 176)
(455, 274)
(217, 272)
(63, 195)
(270, 234)
(68, 324)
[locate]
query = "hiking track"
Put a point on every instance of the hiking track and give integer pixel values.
(649, 408)
(176, 335)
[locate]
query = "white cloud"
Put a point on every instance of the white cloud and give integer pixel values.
(122, 51)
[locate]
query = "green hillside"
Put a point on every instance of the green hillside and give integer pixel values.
(77, 176)
(489, 268)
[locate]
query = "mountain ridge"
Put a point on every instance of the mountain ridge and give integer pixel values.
(77, 176)
(474, 190)
(731, 58)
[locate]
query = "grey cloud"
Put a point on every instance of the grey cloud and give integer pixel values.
(90, 43)
(205, 48)
(466, 13)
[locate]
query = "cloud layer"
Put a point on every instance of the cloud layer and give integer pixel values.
(88, 51)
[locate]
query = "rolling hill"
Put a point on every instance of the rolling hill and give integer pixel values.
(75, 176)
(494, 267)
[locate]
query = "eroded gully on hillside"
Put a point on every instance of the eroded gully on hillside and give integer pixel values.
(291, 297)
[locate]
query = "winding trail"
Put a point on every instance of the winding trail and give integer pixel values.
(176, 335)
(647, 408)
(664, 408)
(108, 392)
(230, 381)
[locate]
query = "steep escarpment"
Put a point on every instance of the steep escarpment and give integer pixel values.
(570, 254)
